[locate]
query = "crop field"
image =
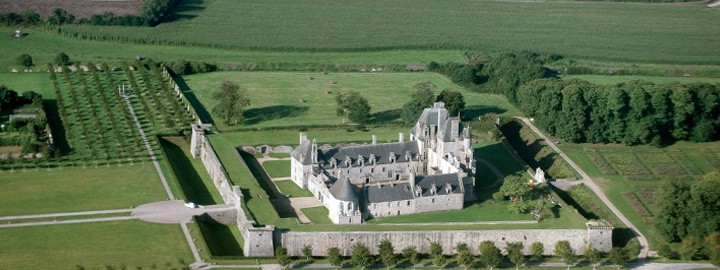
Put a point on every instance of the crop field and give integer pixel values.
(601, 30)
(615, 79)
(97, 121)
(631, 175)
(81, 9)
(285, 99)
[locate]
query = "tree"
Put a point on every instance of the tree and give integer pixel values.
(593, 256)
(454, 101)
(666, 252)
(464, 256)
(690, 248)
(410, 253)
(515, 253)
(422, 98)
(704, 205)
(618, 256)
(712, 246)
(436, 254)
(307, 253)
(490, 255)
(564, 251)
(62, 59)
(334, 256)
(25, 60)
(387, 254)
(60, 16)
(515, 187)
(231, 100)
(673, 200)
(360, 256)
(537, 249)
(31, 18)
(282, 257)
(353, 106)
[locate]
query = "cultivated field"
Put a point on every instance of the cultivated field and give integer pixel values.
(638, 32)
(606, 79)
(631, 176)
(81, 9)
(275, 96)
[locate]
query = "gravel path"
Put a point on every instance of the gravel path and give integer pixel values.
(73, 221)
(68, 214)
(589, 182)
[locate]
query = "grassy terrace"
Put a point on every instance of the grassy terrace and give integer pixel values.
(77, 189)
(258, 201)
(94, 245)
(277, 168)
(289, 188)
(631, 180)
(275, 96)
(600, 30)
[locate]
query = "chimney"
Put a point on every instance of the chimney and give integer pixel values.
(412, 179)
(303, 137)
(374, 139)
(455, 126)
(401, 137)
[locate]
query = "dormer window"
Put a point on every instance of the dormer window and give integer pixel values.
(361, 160)
(348, 161)
(333, 162)
(392, 157)
(372, 159)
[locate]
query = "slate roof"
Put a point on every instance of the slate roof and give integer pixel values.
(343, 190)
(387, 193)
(440, 180)
(381, 151)
(303, 153)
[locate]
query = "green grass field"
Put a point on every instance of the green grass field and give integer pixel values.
(317, 215)
(631, 176)
(617, 31)
(77, 189)
(289, 188)
(608, 79)
(277, 168)
(275, 96)
(132, 244)
(475, 212)
(21, 82)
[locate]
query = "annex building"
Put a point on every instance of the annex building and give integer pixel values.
(432, 171)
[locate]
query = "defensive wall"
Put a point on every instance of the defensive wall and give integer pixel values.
(261, 241)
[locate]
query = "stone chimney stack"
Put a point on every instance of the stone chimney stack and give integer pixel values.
(412, 180)
(455, 126)
(401, 137)
(303, 137)
(374, 139)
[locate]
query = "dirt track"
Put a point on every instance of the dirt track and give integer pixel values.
(81, 9)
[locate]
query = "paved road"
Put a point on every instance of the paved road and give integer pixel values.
(68, 214)
(72, 221)
(173, 211)
(589, 182)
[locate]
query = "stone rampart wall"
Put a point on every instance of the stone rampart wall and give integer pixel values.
(321, 241)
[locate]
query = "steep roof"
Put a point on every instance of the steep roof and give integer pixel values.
(343, 190)
(388, 193)
(303, 153)
(440, 180)
(381, 152)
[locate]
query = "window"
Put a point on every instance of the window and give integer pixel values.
(389, 205)
(372, 170)
(383, 168)
(408, 202)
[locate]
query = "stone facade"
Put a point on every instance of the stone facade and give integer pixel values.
(321, 241)
(433, 171)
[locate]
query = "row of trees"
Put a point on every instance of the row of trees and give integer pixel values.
(489, 255)
(424, 97)
(689, 208)
(632, 113)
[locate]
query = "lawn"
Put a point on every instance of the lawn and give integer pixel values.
(192, 178)
(289, 188)
(120, 244)
(78, 189)
(475, 212)
(615, 79)
(599, 30)
(277, 168)
(275, 97)
(631, 175)
(21, 82)
(317, 215)
(534, 151)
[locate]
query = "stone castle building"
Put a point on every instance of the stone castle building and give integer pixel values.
(433, 171)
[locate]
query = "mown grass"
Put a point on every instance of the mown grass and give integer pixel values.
(21, 82)
(289, 188)
(476, 212)
(277, 168)
(317, 215)
(705, 157)
(615, 79)
(193, 179)
(602, 30)
(275, 96)
(78, 189)
(534, 151)
(94, 245)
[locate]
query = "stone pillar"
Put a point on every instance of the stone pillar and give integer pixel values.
(374, 139)
(303, 137)
(198, 132)
(401, 137)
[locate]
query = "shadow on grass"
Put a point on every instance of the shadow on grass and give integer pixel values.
(476, 111)
(190, 181)
(185, 10)
(257, 115)
(218, 237)
(202, 112)
(529, 151)
(385, 116)
(280, 203)
(56, 125)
